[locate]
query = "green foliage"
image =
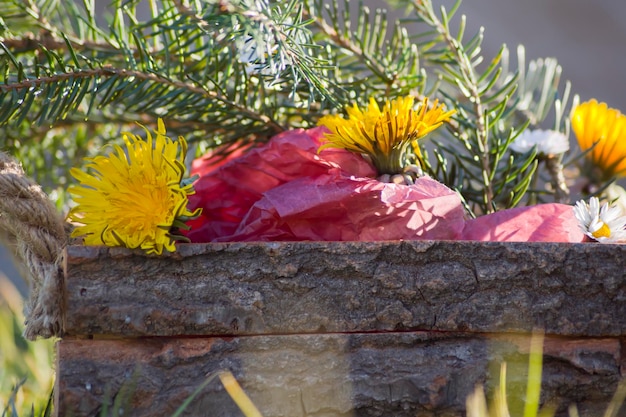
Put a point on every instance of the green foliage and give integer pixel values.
(26, 375)
(241, 70)
(369, 57)
(506, 402)
(494, 105)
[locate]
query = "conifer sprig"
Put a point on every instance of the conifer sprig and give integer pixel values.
(370, 58)
(234, 71)
(493, 108)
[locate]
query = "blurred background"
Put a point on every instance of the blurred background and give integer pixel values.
(587, 37)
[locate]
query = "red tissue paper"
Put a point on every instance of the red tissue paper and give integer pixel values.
(286, 191)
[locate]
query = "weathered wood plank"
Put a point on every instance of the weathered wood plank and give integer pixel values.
(311, 287)
(393, 374)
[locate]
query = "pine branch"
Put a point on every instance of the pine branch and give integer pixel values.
(475, 158)
(109, 72)
(347, 43)
(225, 71)
(282, 27)
(370, 60)
(468, 82)
(94, 79)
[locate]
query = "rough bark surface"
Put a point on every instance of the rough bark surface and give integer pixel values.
(325, 287)
(392, 374)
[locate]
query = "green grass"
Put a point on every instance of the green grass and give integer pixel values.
(26, 374)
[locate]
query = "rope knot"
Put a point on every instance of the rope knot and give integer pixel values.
(35, 231)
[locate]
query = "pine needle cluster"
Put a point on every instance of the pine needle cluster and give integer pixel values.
(235, 71)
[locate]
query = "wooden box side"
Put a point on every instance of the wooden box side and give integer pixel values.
(334, 375)
(325, 287)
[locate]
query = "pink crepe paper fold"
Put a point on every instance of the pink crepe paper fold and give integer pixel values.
(228, 189)
(540, 223)
(336, 207)
(286, 190)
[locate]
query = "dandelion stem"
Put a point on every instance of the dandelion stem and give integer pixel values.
(555, 169)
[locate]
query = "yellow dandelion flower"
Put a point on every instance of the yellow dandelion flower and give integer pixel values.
(384, 134)
(134, 196)
(596, 124)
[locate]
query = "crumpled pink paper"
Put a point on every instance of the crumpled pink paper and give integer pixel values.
(218, 157)
(541, 223)
(286, 190)
(334, 206)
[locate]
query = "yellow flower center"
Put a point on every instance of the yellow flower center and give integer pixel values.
(603, 231)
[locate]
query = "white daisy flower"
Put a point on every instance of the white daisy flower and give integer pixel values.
(548, 142)
(604, 224)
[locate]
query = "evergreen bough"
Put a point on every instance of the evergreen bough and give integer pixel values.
(235, 71)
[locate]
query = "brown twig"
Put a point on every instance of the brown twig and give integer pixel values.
(124, 73)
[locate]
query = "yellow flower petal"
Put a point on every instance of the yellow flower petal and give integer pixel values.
(383, 134)
(132, 196)
(596, 124)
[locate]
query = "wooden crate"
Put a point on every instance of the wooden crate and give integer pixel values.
(338, 328)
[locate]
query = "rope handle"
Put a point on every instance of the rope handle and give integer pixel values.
(36, 232)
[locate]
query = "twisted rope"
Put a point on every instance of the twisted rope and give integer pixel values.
(36, 232)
